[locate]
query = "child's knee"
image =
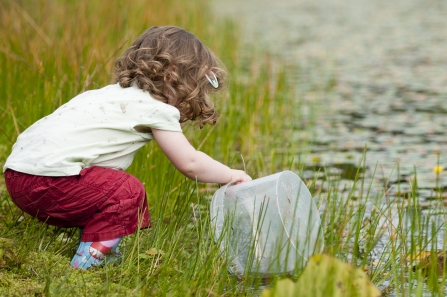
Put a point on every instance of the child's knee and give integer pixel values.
(138, 190)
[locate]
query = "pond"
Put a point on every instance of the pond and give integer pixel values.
(389, 65)
(374, 75)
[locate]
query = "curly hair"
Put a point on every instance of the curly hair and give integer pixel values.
(171, 63)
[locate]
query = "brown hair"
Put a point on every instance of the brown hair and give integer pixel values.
(170, 63)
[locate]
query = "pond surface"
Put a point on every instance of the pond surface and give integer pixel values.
(375, 75)
(388, 63)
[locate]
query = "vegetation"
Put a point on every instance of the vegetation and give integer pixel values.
(52, 50)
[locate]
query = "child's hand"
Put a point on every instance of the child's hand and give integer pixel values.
(239, 176)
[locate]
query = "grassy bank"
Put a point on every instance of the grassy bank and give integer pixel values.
(52, 50)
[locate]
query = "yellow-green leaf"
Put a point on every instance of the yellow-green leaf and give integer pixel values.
(284, 287)
(326, 276)
(155, 252)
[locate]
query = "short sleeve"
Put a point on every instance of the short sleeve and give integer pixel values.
(162, 117)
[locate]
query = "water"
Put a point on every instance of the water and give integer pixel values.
(389, 65)
(376, 73)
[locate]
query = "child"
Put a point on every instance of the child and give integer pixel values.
(67, 169)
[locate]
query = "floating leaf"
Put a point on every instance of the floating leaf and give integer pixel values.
(431, 262)
(418, 256)
(326, 276)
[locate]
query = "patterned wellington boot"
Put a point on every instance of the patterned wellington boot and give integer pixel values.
(95, 253)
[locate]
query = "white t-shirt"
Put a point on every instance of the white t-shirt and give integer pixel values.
(96, 128)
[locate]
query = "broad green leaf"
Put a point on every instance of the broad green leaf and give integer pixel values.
(326, 276)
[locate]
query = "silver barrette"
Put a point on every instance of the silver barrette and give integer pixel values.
(214, 81)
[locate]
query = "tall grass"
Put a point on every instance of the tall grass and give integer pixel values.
(52, 50)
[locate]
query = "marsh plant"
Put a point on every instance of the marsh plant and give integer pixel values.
(52, 50)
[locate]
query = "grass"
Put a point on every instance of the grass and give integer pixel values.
(52, 50)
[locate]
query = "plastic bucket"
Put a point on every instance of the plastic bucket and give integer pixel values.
(268, 226)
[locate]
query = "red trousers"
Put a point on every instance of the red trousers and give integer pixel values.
(106, 203)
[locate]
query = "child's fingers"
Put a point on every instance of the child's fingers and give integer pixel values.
(243, 177)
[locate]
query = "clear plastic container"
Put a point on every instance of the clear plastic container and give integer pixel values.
(267, 226)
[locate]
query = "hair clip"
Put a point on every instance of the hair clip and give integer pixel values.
(214, 81)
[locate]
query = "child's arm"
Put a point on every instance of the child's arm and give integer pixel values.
(195, 164)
